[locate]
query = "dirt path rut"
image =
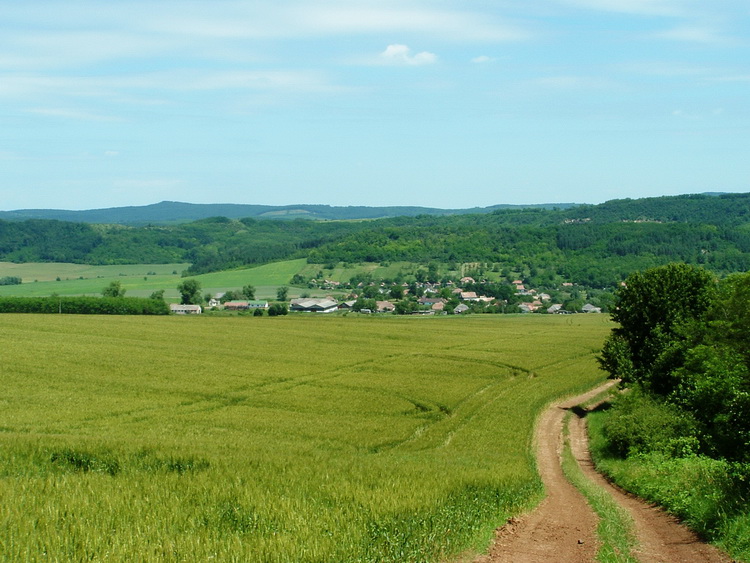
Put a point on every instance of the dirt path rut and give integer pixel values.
(562, 528)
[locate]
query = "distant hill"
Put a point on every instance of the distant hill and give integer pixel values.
(174, 212)
(593, 245)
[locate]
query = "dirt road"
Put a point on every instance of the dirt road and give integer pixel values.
(563, 527)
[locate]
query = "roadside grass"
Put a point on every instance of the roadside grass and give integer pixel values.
(708, 495)
(275, 439)
(615, 530)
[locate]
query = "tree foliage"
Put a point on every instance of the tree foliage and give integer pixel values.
(190, 292)
(114, 289)
(84, 305)
(683, 338)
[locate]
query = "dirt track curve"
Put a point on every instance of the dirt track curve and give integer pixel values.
(562, 529)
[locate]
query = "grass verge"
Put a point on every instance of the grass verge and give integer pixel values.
(615, 530)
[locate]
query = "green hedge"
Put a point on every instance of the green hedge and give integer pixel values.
(84, 305)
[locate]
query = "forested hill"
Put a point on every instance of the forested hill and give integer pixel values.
(173, 212)
(593, 245)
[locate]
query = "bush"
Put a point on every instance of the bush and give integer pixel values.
(639, 424)
(277, 309)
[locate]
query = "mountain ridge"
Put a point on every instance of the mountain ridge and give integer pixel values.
(173, 212)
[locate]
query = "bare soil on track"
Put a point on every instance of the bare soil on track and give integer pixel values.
(562, 529)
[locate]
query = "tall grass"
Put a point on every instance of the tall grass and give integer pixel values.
(274, 439)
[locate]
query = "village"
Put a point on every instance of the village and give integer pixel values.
(417, 298)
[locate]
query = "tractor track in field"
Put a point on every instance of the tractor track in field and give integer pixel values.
(562, 529)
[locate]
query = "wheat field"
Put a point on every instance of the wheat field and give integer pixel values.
(298, 438)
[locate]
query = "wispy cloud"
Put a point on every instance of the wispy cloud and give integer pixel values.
(22, 86)
(298, 19)
(693, 34)
(66, 113)
(674, 8)
(402, 55)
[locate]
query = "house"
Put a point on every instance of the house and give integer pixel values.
(431, 300)
(236, 305)
(313, 305)
(589, 308)
(347, 305)
(438, 307)
(385, 307)
(553, 309)
(545, 297)
(180, 309)
(526, 307)
(461, 308)
(467, 279)
(468, 296)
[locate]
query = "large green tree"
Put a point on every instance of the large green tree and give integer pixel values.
(655, 309)
(190, 292)
(248, 292)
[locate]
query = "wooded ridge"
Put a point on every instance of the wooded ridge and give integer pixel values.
(594, 245)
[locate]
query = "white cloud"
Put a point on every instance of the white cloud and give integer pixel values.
(694, 34)
(401, 54)
(482, 59)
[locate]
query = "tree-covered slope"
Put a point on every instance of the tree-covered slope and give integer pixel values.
(595, 245)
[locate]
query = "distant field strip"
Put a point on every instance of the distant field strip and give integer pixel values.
(298, 438)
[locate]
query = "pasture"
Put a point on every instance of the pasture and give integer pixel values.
(140, 280)
(298, 438)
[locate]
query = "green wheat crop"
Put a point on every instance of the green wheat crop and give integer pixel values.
(298, 438)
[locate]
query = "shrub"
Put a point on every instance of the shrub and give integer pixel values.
(640, 424)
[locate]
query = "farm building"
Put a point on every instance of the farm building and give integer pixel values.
(179, 309)
(243, 305)
(311, 305)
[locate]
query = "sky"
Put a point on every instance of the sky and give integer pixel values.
(437, 103)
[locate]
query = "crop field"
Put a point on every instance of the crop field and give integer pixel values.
(298, 438)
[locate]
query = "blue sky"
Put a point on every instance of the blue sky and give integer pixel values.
(441, 103)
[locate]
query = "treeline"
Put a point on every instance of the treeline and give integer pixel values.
(681, 435)
(84, 305)
(593, 245)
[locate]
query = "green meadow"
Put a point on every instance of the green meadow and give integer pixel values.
(298, 438)
(140, 280)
